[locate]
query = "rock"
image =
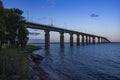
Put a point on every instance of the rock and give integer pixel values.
(36, 58)
(35, 73)
(36, 77)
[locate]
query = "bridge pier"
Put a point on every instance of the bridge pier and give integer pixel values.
(89, 40)
(98, 40)
(61, 39)
(82, 39)
(78, 39)
(93, 38)
(105, 41)
(71, 39)
(108, 40)
(86, 39)
(47, 39)
(102, 41)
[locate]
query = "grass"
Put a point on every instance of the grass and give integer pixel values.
(31, 48)
(12, 62)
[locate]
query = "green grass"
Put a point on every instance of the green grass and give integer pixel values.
(13, 62)
(31, 48)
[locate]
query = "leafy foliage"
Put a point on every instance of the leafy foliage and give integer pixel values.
(12, 27)
(2, 29)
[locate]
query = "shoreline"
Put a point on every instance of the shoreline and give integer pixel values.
(34, 60)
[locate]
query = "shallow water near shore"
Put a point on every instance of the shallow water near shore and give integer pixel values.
(88, 62)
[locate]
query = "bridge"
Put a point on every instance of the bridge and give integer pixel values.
(85, 37)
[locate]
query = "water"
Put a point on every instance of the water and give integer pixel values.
(89, 62)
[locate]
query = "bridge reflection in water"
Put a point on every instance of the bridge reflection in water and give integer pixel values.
(86, 38)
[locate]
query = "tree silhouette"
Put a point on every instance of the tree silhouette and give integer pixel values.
(2, 27)
(12, 26)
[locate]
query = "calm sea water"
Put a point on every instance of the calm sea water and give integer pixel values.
(89, 62)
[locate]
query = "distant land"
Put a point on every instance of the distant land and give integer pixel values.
(41, 41)
(36, 41)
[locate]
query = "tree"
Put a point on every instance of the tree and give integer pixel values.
(12, 26)
(22, 36)
(15, 25)
(1, 8)
(2, 27)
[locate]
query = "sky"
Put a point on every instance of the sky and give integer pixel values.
(99, 17)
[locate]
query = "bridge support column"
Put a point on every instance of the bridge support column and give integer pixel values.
(105, 41)
(86, 40)
(89, 40)
(78, 39)
(102, 41)
(47, 39)
(108, 41)
(98, 40)
(82, 39)
(93, 38)
(71, 39)
(61, 39)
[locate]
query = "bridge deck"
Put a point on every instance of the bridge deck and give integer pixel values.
(56, 29)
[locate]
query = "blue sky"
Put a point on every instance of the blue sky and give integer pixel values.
(73, 14)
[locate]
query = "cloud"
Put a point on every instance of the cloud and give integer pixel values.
(51, 7)
(52, 1)
(94, 15)
(41, 7)
(47, 7)
(43, 18)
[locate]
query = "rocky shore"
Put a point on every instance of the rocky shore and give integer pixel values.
(36, 72)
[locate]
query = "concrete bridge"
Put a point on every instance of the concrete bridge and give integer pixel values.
(85, 37)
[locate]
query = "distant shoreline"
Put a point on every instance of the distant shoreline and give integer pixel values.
(50, 43)
(59, 42)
